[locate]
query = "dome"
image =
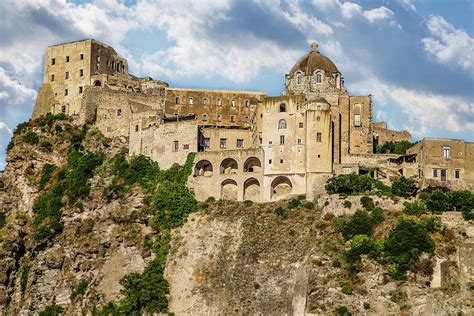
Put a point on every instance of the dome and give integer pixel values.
(312, 61)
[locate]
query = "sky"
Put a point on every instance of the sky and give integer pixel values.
(415, 57)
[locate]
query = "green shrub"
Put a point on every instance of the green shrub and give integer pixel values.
(281, 213)
(20, 128)
(377, 215)
(346, 289)
(347, 204)
(48, 170)
(414, 208)
(52, 310)
(248, 203)
(349, 184)
(366, 306)
(360, 244)
(361, 223)
(342, 311)
(2, 184)
(308, 205)
(3, 220)
(436, 201)
(398, 296)
(463, 201)
(46, 145)
(404, 187)
(31, 138)
(49, 119)
(385, 189)
(294, 203)
(393, 147)
(367, 203)
(80, 289)
(211, 199)
(24, 275)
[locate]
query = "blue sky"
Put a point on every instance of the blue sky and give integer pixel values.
(416, 57)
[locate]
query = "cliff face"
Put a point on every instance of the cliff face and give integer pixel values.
(226, 258)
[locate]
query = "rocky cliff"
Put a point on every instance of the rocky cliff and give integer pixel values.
(86, 231)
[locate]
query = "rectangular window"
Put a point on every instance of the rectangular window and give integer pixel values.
(232, 118)
(246, 119)
(318, 137)
(82, 56)
(240, 143)
(119, 112)
(204, 117)
(63, 109)
(299, 141)
(443, 175)
(447, 152)
(186, 147)
(301, 124)
(67, 75)
(457, 174)
(219, 117)
(435, 173)
(282, 139)
(52, 78)
(65, 91)
(270, 142)
(53, 61)
(357, 122)
(232, 103)
(247, 103)
(81, 72)
(175, 145)
(207, 142)
(281, 160)
(223, 143)
(219, 102)
(81, 89)
(269, 161)
(67, 59)
(136, 128)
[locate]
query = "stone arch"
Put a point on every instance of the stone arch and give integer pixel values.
(252, 189)
(252, 164)
(281, 187)
(282, 124)
(229, 190)
(97, 83)
(229, 166)
(203, 168)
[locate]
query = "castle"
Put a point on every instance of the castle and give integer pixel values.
(248, 145)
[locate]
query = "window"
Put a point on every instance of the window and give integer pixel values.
(177, 100)
(67, 59)
(190, 100)
(205, 101)
(65, 91)
(269, 161)
(136, 128)
(204, 117)
(435, 173)
(232, 118)
(318, 137)
(319, 78)
(119, 112)
(270, 142)
(53, 61)
(247, 103)
(447, 152)
(299, 79)
(281, 124)
(81, 72)
(240, 143)
(282, 139)
(66, 75)
(219, 117)
(63, 109)
(357, 122)
(81, 89)
(186, 147)
(338, 82)
(219, 102)
(318, 118)
(52, 78)
(281, 160)
(246, 119)
(175, 145)
(81, 56)
(207, 142)
(457, 174)
(301, 125)
(223, 143)
(299, 141)
(283, 107)
(232, 103)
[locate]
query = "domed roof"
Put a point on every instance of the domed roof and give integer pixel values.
(312, 61)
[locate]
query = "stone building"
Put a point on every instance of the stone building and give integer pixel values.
(248, 145)
(384, 135)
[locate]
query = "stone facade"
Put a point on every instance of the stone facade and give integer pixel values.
(249, 145)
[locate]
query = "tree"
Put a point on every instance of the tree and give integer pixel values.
(404, 187)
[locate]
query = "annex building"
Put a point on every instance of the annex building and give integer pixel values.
(248, 145)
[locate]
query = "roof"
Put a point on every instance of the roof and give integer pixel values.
(313, 61)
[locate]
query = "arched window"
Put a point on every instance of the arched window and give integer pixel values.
(219, 102)
(177, 100)
(319, 77)
(357, 112)
(299, 78)
(190, 100)
(205, 101)
(282, 124)
(232, 103)
(338, 81)
(283, 107)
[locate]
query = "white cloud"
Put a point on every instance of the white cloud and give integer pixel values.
(449, 45)
(407, 5)
(5, 136)
(349, 9)
(377, 14)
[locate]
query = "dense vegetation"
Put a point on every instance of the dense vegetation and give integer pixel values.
(393, 147)
(439, 200)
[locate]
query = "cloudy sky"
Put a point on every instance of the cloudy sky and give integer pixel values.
(416, 57)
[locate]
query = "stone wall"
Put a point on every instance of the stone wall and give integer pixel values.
(234, 137)
(384, 135)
